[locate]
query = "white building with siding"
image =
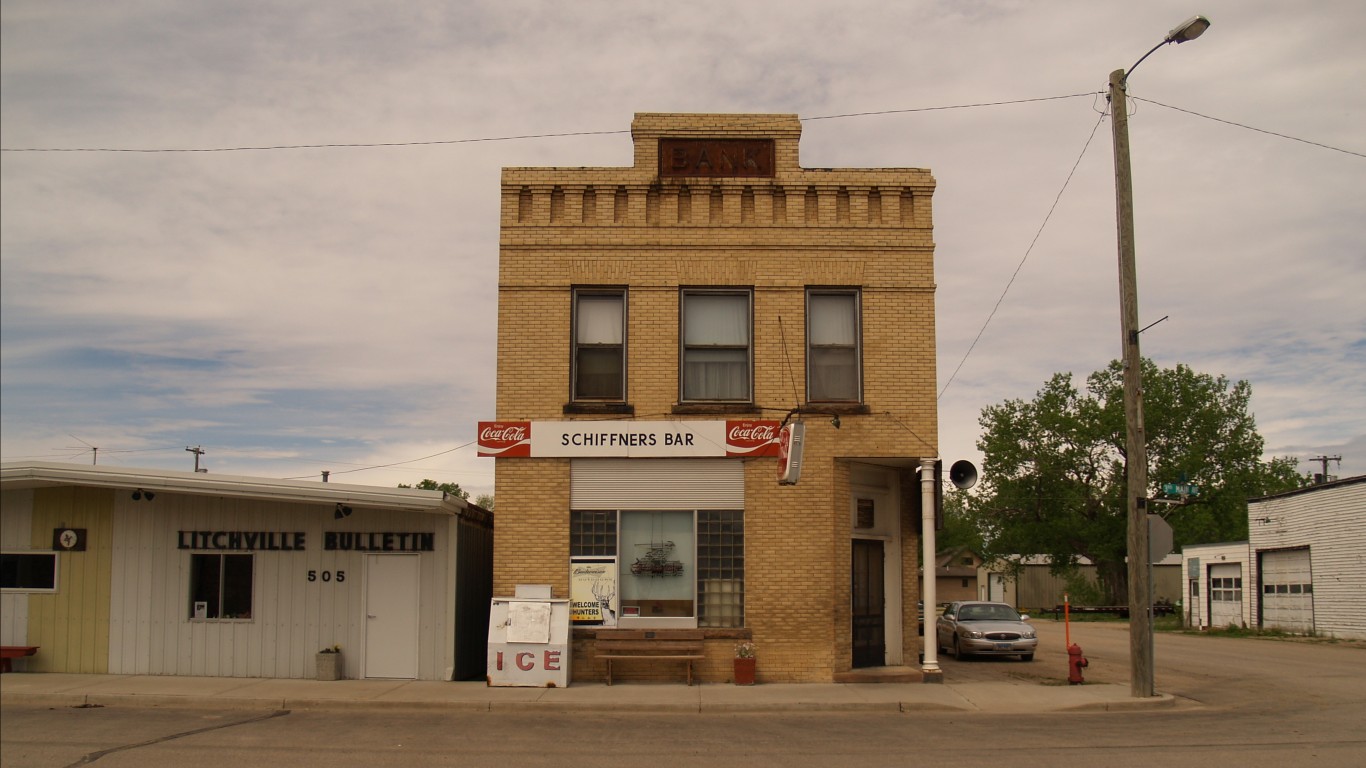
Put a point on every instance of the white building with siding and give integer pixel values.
(1218, 585)
(128, 571)
(1308, 554)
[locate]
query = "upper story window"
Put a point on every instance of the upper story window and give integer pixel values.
(832, 346)
(717, 353)
(599, 359)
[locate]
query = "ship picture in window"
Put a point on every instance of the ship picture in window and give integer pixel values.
(656, 562)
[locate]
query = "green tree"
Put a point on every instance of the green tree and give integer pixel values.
(1054, 477)
(451, 489)
(484, 500)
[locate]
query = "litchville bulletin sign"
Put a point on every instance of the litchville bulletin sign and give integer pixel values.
(297, 541)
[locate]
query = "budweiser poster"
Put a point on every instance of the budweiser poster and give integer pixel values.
(752, 438)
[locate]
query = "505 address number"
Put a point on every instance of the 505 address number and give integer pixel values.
(327, 576)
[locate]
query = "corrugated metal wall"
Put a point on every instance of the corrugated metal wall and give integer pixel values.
(16, 532)
(72, 626)
(1331, 521)
(150, 629)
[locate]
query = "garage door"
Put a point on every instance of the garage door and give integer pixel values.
(1287, 591)
(1225, 594)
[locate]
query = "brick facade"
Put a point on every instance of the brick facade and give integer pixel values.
(865, 229)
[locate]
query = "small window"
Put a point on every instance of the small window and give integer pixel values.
(599, 357)
(220, 586)
(832, 346)
(715, 330)
(28, 571)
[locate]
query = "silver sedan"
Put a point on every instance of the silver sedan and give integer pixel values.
(985, 628)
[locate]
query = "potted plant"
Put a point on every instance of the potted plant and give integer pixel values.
(744, 663)
(329, 663)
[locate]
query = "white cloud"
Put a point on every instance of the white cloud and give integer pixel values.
(295, 309)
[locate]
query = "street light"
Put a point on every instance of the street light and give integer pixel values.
(1135, 446)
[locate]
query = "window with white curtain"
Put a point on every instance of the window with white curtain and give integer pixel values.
(832, 346)
(716, 345)
(599, 358)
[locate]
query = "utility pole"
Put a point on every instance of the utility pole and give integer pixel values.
(197, 451)
(1323, 461)
(1135, 446)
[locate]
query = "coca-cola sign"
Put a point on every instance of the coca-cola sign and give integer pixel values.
(751, 438)
(505, 439)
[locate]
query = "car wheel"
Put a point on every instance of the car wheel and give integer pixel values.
(1026, 657)
(957, 652)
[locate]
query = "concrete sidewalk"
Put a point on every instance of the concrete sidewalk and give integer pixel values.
(72, 690)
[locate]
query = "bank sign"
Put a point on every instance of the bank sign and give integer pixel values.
(749, 438)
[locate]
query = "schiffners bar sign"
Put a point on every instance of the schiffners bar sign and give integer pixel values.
(715, 158)
(753, 438)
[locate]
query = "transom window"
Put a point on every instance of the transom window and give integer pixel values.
(599, 358)
(832, 346)
(716, 350)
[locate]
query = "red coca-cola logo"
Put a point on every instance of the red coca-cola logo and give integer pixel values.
(751, 438)
(505, 439)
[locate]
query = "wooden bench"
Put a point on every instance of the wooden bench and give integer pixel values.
(8, 652)
(670, 644)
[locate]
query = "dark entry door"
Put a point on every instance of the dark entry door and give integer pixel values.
(869, 613)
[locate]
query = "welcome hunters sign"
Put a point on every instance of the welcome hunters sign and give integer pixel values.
(750, 438)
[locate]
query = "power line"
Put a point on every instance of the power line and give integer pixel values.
(1251, 128)
(523, 137)
(1024, 258)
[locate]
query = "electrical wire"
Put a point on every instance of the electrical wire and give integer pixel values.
(360, 145)
(1024, 258)
(1251, 128)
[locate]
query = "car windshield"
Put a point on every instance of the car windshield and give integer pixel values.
(987, 613)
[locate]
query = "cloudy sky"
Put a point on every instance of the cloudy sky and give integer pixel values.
(295, 310)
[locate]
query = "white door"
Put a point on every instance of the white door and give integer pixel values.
(1287, 591)
(391, 613)
(1225, 594)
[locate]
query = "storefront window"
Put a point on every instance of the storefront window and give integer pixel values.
(672, 566)
(220, 586)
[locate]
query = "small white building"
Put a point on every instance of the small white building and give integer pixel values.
(151, 572)
(1217, 583)
(1306, 548)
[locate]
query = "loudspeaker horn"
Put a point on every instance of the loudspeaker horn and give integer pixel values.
(963, 474)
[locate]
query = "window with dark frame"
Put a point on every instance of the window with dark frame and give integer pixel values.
(833, 362)
(28, 571)
(716, 353)
(222, 584)
(718, 558)
(599, 357)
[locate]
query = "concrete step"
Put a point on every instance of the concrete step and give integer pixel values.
(880, 675)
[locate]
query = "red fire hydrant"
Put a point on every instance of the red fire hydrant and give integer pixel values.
(1075, 664)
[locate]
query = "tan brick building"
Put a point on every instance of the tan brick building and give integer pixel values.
(656, 325)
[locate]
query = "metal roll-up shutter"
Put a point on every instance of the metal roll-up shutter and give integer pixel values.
(1287, 590)
(657, 484)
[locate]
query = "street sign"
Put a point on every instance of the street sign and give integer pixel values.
(1180, 489)
(1159, 538)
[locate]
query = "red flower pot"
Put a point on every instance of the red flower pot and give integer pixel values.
(744, 671)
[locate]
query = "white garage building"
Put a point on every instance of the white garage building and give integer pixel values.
(1307, 549)
(1217, 585)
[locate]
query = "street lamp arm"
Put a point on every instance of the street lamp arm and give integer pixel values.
(1184, 32)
